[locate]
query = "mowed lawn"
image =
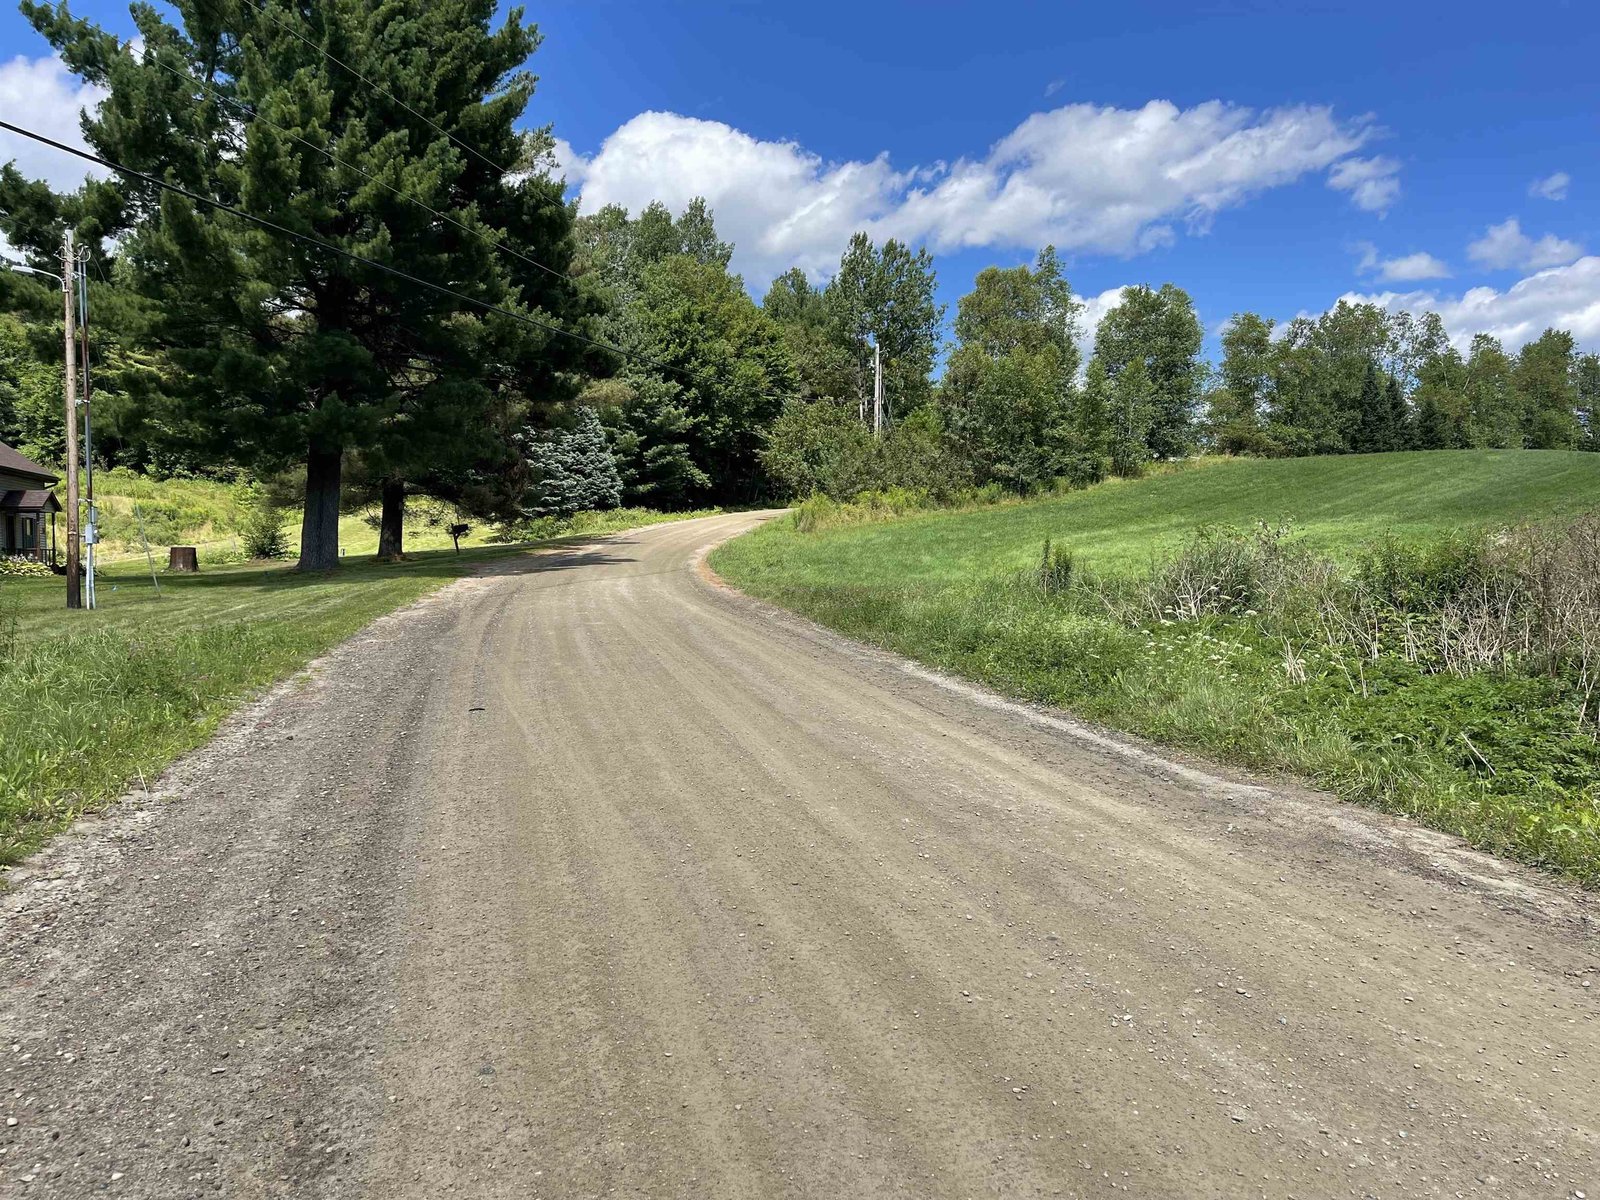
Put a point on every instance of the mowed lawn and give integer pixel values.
(1501, 758)
(1336, 503)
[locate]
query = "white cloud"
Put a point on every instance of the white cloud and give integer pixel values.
(42, 95)
(1551, 187)
(1083, 177)
(1506, 246)
(1408, 268)
(1565, 297)
(1372, 182)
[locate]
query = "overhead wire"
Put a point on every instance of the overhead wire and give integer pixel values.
(486, 305)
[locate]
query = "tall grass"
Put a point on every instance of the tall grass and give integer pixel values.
(1445, 674)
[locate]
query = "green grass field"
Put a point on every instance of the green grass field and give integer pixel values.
(956, 590)
(1335, 502)
(93, 702)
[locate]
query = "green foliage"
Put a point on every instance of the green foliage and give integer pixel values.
(1008, 391)
(30, 395)
(886, 297)
(1158, 333)
(1055, 571)
(262, 532)
(572, 471)
(1257, 647)
(699, 323)
(284, 355)
(1422, 576)
(20, 566)
(1547, 383)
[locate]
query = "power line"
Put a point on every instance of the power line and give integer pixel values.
(255, 115)
(379, 88)
(486, 305)
(264, 223)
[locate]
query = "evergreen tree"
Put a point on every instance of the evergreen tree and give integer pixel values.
(728, 361)
(1374, 416)
(572, 470)
(1398, 433)
(291, 353)
(652, 440)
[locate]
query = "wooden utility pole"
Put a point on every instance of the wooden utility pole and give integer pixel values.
(70, 394)
(877, 389)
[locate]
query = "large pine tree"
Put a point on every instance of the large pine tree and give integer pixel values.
(295, 355)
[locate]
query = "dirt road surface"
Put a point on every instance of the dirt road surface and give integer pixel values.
(590, 878)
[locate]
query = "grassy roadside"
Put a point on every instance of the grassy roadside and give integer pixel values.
(94, 702)
(1246, 674)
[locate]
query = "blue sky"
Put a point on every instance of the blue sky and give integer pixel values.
(1259, 158)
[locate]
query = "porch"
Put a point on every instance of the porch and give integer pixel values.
(28, 524)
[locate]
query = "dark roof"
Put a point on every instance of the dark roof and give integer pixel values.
(16, 464)
(39, 500)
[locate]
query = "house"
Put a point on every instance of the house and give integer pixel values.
(28, 507)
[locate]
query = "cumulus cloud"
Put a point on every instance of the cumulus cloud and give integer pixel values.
(1084, 177)
(1408, 268)
(1564, 297)
(1094, 310)
(1373, 183)
(41, 94)
(1551, 187)
(1505, 246)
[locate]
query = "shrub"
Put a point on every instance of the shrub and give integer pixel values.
(1054, 572)
(1423, 578)
(262, 532)
(1222, 570)
(20, 566)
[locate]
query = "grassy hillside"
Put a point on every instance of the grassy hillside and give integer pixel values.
(1343, 652)
(208, 514)
(1336, 503)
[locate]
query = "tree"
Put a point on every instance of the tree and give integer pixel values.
(699, 324)
(572, 470)
(1131, 413)
(652, 440)
(1587, 382)
(823, 360)
(1237, 408)
(1491, 396)
(1008, 388)
(292, 353)
(1443, 420)
(30, 395)
(818, 446)
(1546, 383)
(1374, 417)
(886, 297)
(1160, 331)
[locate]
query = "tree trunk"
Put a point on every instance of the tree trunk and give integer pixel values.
(319, 531)
(391, 530)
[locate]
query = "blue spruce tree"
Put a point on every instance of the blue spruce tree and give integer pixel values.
(573, 470)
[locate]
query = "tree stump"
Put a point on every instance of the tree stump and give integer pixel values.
(183, 558)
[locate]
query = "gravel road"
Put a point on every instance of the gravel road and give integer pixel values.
(591, 878)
